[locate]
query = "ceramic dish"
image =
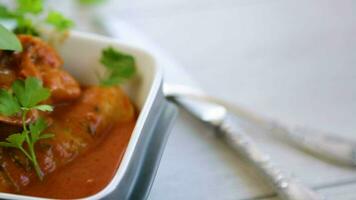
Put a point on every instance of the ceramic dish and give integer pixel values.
(134, 177)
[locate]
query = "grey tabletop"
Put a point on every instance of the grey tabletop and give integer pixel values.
(289, 60)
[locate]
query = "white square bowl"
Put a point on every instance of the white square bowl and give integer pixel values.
(81, 54)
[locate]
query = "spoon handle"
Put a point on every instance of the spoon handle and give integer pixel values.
(286, 187)
(324, 145)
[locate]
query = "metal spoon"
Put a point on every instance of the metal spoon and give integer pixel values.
(321, 144)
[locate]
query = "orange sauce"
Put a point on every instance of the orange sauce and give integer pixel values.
(90, 172)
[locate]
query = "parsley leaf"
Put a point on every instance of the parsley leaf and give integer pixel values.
(29, 6)
(25, 97)
(37, 128)
(120, 66)
(45, 108)
(30, 92)
(90, 2)
(25, 26)
(29, 11)
(14, 140)
(111, 80)
(6, 14)
(116, 60)
(60, 22)
(8, 103)
(8, 40)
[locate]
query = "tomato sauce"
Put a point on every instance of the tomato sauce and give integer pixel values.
(90, 172)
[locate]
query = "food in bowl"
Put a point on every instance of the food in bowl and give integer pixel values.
(61, 139)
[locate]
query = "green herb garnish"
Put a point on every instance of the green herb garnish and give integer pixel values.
(6, 14)
(29, 15)
(26, 96)
(23, 15)
(29, 6)
(120, 66)
(58, 21)
(25, 26)
(90, 2)
(30, 92)
(8, 40)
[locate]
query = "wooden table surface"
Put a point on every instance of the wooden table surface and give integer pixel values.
(292, 60)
